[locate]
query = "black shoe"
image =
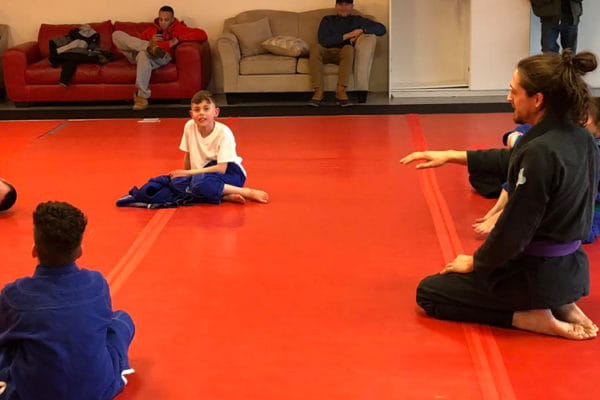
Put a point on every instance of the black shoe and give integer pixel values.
(314, 102)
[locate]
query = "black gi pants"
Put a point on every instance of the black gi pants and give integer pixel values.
(491, 297)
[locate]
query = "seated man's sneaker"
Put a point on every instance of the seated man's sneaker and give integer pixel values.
(342, 97)
(140, 103)
(317, 97)
(156, 51)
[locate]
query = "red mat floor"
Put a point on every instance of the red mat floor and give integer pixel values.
(308, 297)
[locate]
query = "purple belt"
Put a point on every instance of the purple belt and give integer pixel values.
(547, 248)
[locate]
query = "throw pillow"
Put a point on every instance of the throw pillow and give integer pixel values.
(286, 46)
(251, 35)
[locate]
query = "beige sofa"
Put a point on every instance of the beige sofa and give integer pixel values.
(272, 73)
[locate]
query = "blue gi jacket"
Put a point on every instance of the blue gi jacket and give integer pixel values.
(53, 337)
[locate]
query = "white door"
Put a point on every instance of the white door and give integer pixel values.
(429, 44)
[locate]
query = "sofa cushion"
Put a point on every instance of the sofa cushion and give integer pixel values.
(49, 31)
(251, 35)
(286, 46)
(267, 64)
(122, 71)
(42, 73)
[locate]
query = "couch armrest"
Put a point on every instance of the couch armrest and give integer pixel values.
(28, 53)
(364, 52)
(15, 60)
(3, 47)
(230, 55)
(193, 65)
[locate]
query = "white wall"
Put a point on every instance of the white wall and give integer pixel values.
(25, 16)
(499, 39)
(588, 36)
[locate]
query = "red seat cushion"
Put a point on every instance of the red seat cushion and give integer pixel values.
(42, 73)
(121, 71)
(50, 31)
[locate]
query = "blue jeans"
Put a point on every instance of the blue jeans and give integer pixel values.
(550, 32)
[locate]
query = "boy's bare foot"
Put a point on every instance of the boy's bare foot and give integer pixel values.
(256, 195)
(573, 314)
(234, 198)
(542, 321)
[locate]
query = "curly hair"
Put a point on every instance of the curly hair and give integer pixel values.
(58, 230)
(559, 79)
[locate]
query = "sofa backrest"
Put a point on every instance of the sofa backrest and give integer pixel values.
(50, 31)
(303, 25)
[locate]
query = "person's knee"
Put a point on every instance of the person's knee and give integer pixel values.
(207, 186)
(424, 295)
(142, 58)
(123, 319)
(315, 51)
(118, 36)
(348, 51)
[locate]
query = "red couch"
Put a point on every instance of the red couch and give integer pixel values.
(29, 77)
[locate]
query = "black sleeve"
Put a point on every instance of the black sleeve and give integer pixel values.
(371, 27)
(488, 170)
(533, 183)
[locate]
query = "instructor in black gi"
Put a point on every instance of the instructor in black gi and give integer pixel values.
(531, 269)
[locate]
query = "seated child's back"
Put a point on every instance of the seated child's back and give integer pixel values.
(59, 338)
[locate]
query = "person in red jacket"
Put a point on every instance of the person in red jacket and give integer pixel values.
(154, 49)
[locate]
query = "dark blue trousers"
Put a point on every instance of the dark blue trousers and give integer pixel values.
(208, 187)
(550, 32)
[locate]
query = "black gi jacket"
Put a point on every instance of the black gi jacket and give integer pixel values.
(552, 177)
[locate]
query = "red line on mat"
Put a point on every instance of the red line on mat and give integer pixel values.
(138, 250)
(485, 354)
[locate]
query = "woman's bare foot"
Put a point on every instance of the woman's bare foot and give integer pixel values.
(256, 195)
(234, 198)
(573, 314)
(542, 321)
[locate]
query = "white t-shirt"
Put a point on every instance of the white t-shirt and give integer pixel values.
(219, 146)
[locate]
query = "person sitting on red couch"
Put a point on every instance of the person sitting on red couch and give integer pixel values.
(154, 49)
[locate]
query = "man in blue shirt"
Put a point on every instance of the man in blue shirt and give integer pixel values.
(59, 338)
(337, 36)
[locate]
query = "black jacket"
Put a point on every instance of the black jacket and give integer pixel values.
(553, 9)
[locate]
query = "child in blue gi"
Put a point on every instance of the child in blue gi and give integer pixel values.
(210, 157)
(59, 338)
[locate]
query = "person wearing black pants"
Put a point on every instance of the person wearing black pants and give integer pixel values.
(531, 269)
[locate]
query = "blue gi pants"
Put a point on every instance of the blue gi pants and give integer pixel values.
(208, 187)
